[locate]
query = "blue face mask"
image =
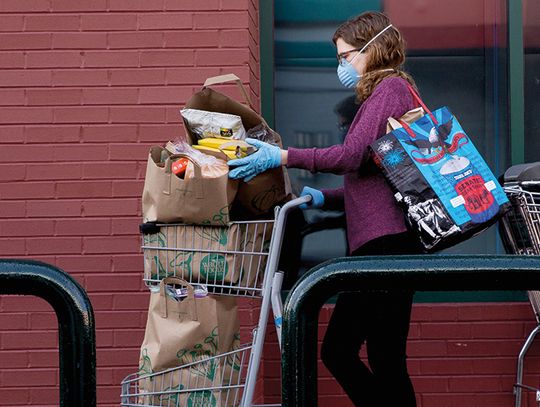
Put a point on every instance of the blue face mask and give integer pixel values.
(347, 74)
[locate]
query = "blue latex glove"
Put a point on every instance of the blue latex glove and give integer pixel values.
(266, 157)
(317, 198)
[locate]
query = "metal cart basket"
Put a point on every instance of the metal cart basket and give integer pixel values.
(240, 259)
(520, 232)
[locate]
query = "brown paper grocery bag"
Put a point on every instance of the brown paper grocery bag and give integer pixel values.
(258, 196)
(195, 199)
(187, 332)
(209, 254)
(409, 117)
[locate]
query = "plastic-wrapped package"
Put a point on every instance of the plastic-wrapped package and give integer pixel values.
(263, 133)
(205, 124)
(211, 167)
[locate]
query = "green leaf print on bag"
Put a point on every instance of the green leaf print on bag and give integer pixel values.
(202, 353)
(203, 398)
(233, 359)
(170, 399)
(181, 264)
(214, 267)
(214, 234)
(146, 364)
(155, 240)
(220, 218)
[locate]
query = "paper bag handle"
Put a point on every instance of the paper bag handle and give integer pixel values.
(215, 80)
(190, 296)
(199, 193)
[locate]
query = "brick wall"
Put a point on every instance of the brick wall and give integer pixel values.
(85, 88)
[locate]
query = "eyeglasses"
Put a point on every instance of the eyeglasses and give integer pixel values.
(340, 57)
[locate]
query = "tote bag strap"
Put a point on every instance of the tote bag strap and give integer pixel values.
(421, 103)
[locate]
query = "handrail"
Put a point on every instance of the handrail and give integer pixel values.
(77, 344)
(392, 273)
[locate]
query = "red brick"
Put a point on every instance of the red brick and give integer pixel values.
(128, 337)
(222, 19)
(234, 38)
(10, 153)
(11, 134)
(56, 134)
(81, 115)
(445, 330)
(12, 209)
(192, 39)
(127, 188)
(111, 357)
(137, 77)
(171, 95)
(26, 227)
(166, 58)
(159, 132)
(113, 283)
(127, 263)
(494, 330)
(82, 152)
(43, 320)
(68, 5)
(135, 5)
(12, 60)
(29, 339)
(79, 40)
(135, 301)
(490, 365)
(193, 5)
(15, 396)
(83, 227)
(111, 59)
(115, 133)
(136, 40)
(25, 78)
(116, 320)
(116, 244)
(101, 301)
(51, 396)
(11, 23)
(26, 303)
(54, 171)
(12, 97)
(55, 245)
(29, 377)
(482, 384)
(53, 97)
(53, 59)
(13, 359)
(110, 207)
(185, 76)
(110, 96)
(221, 57)
(15, 321)
(107, 170)
(146, 114)
(25, 41)
(128, 151)
(483, 348)
(54, 208)
(82, 77)
(84, 189)
(127, 226)
(50, 23)
(10, 246)
(164, 21)
(24, 5)
(108, 22)
(84, 264)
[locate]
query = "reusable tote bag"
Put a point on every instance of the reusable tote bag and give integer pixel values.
(187, 331)
(198, 198)
(446, 188)
(260, 195)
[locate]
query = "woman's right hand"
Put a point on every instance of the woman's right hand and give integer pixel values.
(317, 198)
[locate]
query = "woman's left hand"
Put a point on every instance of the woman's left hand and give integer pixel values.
(266, 157)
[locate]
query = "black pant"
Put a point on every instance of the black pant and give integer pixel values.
(381, 320)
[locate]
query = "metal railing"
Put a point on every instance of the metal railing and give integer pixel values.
(418, 273)
(77, 343)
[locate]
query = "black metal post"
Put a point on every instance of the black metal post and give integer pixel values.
(418, 273)
(77, 344)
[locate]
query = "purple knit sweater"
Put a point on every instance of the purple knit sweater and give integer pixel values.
(370, 207)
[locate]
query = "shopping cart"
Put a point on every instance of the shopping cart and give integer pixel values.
(249, 250)
(520, 232)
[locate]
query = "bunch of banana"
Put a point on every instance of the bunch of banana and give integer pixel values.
(231, 148)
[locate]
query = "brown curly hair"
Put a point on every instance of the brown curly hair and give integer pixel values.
(387, 51)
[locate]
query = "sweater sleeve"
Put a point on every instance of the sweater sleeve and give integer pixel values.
(391, 98)
(333, 199)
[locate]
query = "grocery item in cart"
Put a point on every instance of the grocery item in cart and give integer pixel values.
(181, 331)
(219, 256)
(205, 124)
(259, 196)
(203, 196)
(444, 185)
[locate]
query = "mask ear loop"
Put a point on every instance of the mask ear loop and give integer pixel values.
(370, 41)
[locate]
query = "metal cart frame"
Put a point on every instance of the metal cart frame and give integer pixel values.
(249, 251)
(520, 231)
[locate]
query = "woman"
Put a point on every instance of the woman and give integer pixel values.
(370, 52)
